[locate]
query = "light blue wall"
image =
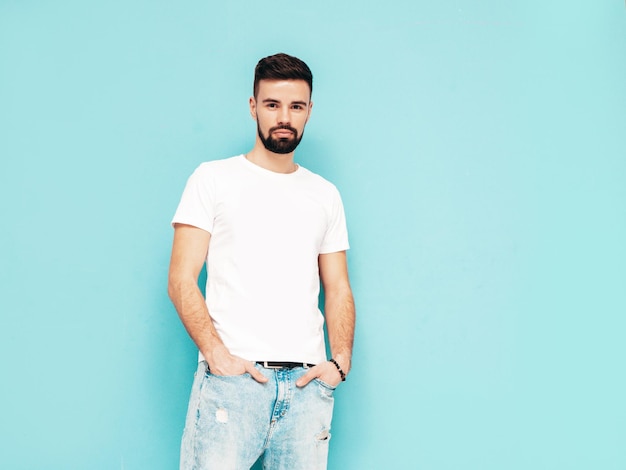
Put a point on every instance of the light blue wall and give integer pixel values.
(481, 151)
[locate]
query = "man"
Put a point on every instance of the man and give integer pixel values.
(268, 230)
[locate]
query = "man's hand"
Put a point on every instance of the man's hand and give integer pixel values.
(326, 372)
(222, 362)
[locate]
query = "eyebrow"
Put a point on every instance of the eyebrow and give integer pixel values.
(272, 100)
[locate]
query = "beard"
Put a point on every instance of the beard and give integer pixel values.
(282, 145)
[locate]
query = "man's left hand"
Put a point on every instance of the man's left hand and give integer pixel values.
(326, 372)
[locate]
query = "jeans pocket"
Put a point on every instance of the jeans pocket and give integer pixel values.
(208, 373)
(326, 390)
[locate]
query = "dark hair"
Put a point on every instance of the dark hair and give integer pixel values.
(281, 67)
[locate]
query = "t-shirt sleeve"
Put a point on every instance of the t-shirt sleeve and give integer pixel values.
(336, 236)
(197, 204)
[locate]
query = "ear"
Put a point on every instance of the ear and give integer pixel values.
(252, 107)
(310, 109)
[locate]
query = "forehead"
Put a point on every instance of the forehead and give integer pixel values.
(284, 90)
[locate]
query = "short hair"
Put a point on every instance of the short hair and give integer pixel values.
(282, 67)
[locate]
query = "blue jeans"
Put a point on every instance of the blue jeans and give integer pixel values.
(233, 420)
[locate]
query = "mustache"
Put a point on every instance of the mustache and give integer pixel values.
(284, 126)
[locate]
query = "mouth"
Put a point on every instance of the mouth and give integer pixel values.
(283, 133)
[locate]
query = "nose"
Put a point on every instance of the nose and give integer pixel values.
(284, 116)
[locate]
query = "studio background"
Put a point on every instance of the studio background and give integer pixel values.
(480, 150)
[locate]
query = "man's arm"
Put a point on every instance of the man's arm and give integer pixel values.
(188, 254)
(340, 319)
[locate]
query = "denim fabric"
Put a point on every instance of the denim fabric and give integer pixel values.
(233, 420)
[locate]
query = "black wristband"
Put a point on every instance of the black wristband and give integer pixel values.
(341, 372)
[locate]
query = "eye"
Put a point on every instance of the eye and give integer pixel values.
(298, 107)
(272, 105)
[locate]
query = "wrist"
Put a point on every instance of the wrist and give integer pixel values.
(340, 370)
(344, 362)
(216, 353)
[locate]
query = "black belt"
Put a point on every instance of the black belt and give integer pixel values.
(283, 365)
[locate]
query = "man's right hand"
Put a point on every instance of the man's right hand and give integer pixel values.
(222, 362)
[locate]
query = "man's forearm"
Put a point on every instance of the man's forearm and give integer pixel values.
(340, 321)
(194, 314)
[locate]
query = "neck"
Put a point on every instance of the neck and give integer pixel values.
(276, 162)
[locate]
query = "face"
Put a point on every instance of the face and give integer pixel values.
(281, 110)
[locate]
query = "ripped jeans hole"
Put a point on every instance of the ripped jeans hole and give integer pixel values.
(323, 436)
(221, 415)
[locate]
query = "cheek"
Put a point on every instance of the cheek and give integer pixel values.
(262, 121)
(302, 123)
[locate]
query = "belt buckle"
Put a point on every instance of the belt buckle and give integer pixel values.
(268, 366)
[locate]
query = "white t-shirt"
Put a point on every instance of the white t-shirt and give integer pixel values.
(267, 230)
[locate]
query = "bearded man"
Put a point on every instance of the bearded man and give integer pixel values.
(269, 231)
